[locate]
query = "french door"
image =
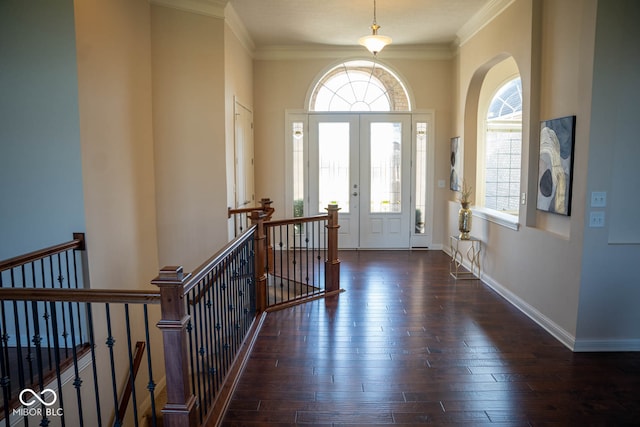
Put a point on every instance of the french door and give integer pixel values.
(362, 162)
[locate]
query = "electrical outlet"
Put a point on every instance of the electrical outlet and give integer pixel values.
(598, 199)
(596, 219)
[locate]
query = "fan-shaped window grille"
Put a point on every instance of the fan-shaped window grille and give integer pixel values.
(359, 86)
(507, 103)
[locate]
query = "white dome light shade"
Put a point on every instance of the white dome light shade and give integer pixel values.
(374, 42)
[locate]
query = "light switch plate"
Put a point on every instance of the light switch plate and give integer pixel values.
(596, 219)
(598, 199)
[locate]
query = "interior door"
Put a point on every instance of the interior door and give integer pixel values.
(243, 161)
(385, 181)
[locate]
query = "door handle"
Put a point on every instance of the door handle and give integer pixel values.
(355, 194)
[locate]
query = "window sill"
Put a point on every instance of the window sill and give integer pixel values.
(497, 217)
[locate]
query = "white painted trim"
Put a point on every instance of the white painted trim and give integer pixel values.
(481, 19)
(607, 345)
(566, 338)
(214, 8)
(429, 52)
(547, 324)
(496, 217)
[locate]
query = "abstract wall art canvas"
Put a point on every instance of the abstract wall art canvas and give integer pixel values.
(557, 140)
(456, 164)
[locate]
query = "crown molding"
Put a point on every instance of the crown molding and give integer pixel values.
(213, 8)
(239, 29)
(481, 19)
(429, 52)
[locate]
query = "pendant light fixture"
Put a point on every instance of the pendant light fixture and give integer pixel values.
(374, 42)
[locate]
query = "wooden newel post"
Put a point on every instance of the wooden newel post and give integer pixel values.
(265, 204)
(260, 247)
(179, 410)
(332, 263)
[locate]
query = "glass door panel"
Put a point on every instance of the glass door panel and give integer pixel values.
(386, 167)
(333, 164)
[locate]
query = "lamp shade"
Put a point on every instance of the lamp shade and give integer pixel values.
(374, 42)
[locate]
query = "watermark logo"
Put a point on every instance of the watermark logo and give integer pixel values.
(42, 397)
(46, 398)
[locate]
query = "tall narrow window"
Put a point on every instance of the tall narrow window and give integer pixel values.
(421, 177)
(503, 149)
(297, 128)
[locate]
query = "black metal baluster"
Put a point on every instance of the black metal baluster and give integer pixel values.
(218, 327)
(190, 347)
(132, 383)
(76, 286)
(110, 342)
(37, 341)
(306, 265)
(92, 346)
(281, 268)
(46, 316)
(197, 310)
(288, 263)
(224, 320)
(237, 311)
(232, 303)
(27, 324)
(151, 385)
(5, 380)
(56, 355)
(314, 281)
(211, 371)
(325, 252)
(65, 331)
(77, 380)
(16, 322)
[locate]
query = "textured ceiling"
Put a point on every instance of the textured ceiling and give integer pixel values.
(342, 22)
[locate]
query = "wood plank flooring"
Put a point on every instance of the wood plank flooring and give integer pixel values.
(408, 345)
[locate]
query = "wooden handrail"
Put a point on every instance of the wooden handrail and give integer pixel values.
(206, 267)
(115, 296)
(78, 243)
(299, 220)
(265, 206)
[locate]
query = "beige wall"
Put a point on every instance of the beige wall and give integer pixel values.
(536, 267)
(238, 87)
(114, 89)
(114, 93)
(189, 132)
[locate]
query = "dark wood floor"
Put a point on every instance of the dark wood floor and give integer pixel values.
(408, 345)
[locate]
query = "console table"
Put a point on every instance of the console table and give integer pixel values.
(473, 247)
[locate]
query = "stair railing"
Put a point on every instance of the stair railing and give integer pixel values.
(59, 338)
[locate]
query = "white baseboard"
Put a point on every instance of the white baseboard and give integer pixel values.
(543, 321)
(569, 340)
(606, 345)
(531, 312)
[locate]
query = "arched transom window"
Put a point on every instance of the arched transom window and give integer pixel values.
(359, 86)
